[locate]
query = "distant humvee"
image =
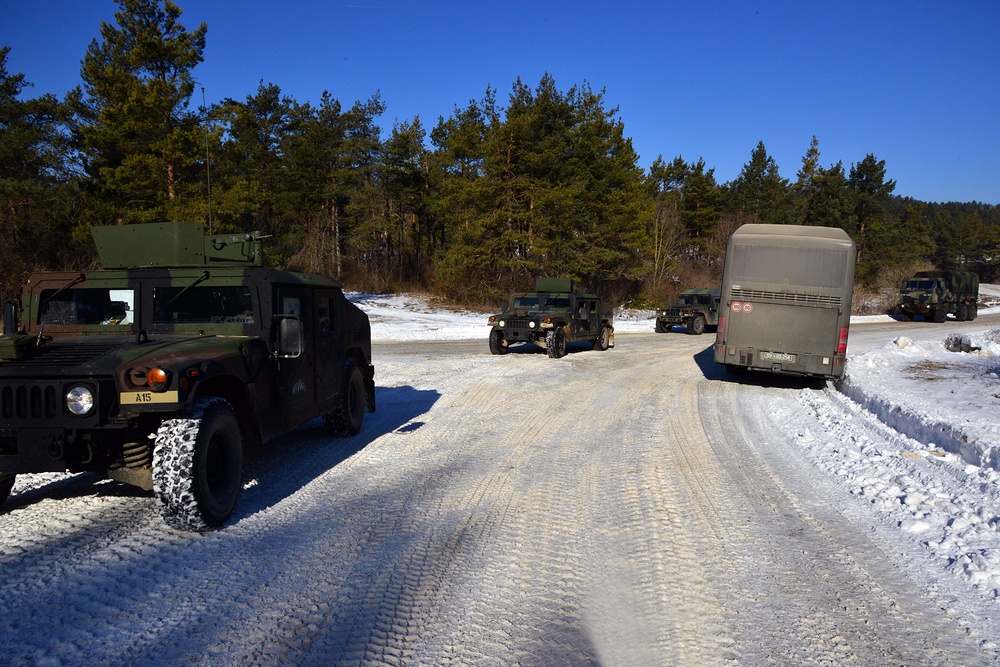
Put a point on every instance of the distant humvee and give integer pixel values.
(695, 309)
(550, 317)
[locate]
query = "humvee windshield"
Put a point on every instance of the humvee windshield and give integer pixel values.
(558, 302)
(202, 305)
(528, 301)
(86, 306)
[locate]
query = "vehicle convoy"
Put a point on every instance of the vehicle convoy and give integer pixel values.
(550, 317)
(935, 294)
(786, 298)
(695, 309)
(156, 369)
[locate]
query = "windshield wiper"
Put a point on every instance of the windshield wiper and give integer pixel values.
(79, 279)
(200, 279)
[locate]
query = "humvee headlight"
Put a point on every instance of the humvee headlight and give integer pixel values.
(80, 400)
(158, 379)
(531, 325)
(502, 324)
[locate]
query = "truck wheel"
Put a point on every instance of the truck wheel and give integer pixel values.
(555, 343)
(347, 419)
(905, 317)
(498, 344)
(940, 315)
(6, 486)
(198, 466)
(961, 313)
(973, 311)
(659, 328)
(603, 341)
(696, 325)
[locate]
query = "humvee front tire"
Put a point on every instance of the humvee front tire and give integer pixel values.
(498, 344)
(696, 325)
(6, 486)
(347, 419)
(603, 341)
(555, 343)
(659, 328)
(198, 466)
(940, 315)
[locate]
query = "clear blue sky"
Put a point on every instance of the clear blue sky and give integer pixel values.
(917, 84)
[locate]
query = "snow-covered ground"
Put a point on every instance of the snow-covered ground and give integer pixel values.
(939, 407)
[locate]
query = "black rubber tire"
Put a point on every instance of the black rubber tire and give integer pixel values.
(6, 486)
(961, 312)
(498, 344)
(973, 311)
(198, 466)
(349, 416)
(696, 325)
(659, 328)
(555, 343)
(603, 341)
(939, 315)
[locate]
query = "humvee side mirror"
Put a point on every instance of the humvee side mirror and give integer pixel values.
(10, 318)
(290, 343)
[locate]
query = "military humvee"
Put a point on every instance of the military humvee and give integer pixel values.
(696, 309)
(157, 369)
(550, 317)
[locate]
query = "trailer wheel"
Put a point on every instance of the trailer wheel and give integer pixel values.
(603, 341)
(347, 419)
(198, 466)
(696, 325)
(498, 344)
(555, 343)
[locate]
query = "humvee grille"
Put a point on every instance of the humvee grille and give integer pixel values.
(29, 401)
(517, 323)
(786, 297)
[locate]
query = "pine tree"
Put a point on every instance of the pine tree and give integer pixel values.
(138, 142)
(759, 193)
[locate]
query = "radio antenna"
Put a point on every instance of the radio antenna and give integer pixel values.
(208, 161)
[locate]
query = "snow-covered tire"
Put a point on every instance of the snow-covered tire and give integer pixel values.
(498, 344)
(6, 486)
(555, 343)
(696, 325)
(603, 341)
(347, 419)
(198, 466)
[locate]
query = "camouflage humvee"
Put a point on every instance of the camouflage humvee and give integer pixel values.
(550, 317)
(155, 370)
(696, 309)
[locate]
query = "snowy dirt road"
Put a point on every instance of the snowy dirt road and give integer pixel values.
(627, 507)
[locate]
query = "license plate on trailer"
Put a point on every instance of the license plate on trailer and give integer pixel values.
(777, 356)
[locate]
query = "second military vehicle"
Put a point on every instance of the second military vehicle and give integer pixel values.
(550, 317)
(935, 294)
(157, 369)
(695, 309)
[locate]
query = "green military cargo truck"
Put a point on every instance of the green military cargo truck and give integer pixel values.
(934, 295)
(550, 317)
(155, 370)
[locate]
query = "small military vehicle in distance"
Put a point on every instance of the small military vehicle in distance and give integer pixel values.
(695, 309)
(935, 294)
(550, 317)
(155, 370)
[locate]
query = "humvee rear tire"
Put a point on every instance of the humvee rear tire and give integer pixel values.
(198, 466)
(603, 341)
(696, 325)
(555, 343)
(498, 344)
(347, 419)
(6, 486)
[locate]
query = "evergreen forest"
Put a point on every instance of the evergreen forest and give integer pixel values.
(537, 181)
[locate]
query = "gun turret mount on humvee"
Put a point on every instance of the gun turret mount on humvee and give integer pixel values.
(157, 369)
(550, 317)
